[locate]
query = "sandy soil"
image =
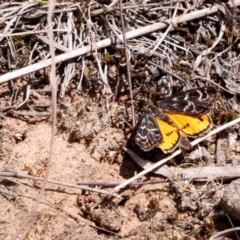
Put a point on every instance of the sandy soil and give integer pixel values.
(147, 212)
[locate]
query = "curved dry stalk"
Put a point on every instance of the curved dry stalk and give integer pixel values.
(159, 41)
(7, 175)
(78, 185)
(208, 51)
(213, 83)
(5, 192)
(128, 67)
(168, 72)
(223, 234)
(216, 57)
(53, 82)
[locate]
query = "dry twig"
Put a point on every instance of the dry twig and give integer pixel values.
(153, 167)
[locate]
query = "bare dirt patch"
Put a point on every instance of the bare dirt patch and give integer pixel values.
(148, 211)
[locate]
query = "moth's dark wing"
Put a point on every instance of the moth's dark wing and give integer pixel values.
(148, 134)
(154, 111)
(157, 113)
(191, 102)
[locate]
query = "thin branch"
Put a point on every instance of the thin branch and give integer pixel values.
(163, 161)
(30, 33)
(127, 56)
(53, 82)
(166, 71)
(72, 185)
(5, 192)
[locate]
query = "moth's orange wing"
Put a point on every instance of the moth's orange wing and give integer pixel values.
(192, 126)
(170, 135)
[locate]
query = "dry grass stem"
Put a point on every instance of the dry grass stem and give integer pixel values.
(7, 175)
(152, 167)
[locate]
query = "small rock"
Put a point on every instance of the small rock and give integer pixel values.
(230, 200)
